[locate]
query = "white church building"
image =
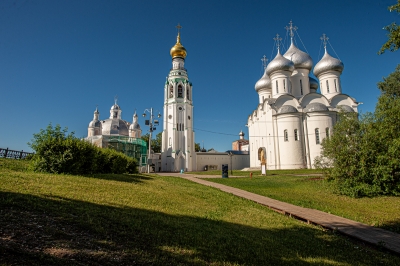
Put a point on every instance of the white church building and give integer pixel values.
(291, 120)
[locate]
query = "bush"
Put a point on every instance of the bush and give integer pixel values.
(59, 152)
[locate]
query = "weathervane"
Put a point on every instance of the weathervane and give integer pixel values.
(291, 29)
(277, 39)
(264, 61)
(324, 39)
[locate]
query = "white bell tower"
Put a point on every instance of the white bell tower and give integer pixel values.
(177, 148)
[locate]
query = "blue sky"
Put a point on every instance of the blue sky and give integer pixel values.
(60, 59)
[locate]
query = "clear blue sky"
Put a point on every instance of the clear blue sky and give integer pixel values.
(59, 59)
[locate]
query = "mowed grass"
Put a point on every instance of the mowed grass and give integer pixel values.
(48, 219)
(304, 188)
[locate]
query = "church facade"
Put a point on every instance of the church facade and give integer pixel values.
(291, 120)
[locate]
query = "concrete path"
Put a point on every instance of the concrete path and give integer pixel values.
(369, 234)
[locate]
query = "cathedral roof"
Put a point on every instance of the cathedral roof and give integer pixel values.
(115, 126)
(287, 109)
(328, 63)
(299, 58)
(344, 108)
(315, 107)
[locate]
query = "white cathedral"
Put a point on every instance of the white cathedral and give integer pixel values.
(292, 118)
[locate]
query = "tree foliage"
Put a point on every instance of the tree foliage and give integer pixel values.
(57, 151)
(363, 155)
(155, 143)
(393, 42)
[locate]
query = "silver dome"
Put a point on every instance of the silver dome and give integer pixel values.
(287, 109)
(115, 107)
(313, 83)
(299, 58)
(344, 108)
(315, 107)
(279, 63)
(115, 127)
(95, 123)
(263, 83)
(134, 126)
(328, 63)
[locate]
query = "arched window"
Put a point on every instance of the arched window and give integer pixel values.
(277, 89)
(285, 135)
(187, 94)
(335, 85)
(296, 135)
(301, 87)
(327, 86)
(284, 85)
(171, 92)
(327, 132)
(317, 136)
(180, 92)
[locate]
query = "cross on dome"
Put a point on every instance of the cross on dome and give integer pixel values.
(324, 39)
(115, 99)
(292, 29)
(277, 39)
(264, 60)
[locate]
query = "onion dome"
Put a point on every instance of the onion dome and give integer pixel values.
(279, 63)
(299, 58)
(313, 83)
(328, 63)
(287, 109)
(315, 107)
(135, 125)
(178, 50)
(263, 83)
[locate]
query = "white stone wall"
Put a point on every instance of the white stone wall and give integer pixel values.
(238, 161)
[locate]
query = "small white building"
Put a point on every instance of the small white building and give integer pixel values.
(291, 120)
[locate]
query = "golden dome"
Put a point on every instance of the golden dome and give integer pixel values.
(178, 50)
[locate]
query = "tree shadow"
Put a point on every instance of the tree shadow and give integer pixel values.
(393, 226)
(59, 231)
(128, 178)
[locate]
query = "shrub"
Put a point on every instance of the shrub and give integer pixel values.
(59, 152)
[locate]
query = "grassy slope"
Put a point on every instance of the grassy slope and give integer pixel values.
(311, 192)
(127, 219)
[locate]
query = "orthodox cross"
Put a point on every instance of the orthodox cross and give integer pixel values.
(264, 61)
(291, 29)
(324, 39)
(277, 39)
(179, 27)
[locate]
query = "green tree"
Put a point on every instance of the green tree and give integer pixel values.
(155, 143)
(363, 155)
(393, 42)
(197, 147)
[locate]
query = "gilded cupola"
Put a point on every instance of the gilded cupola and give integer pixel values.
(178, 50)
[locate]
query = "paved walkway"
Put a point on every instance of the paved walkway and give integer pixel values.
(369, 234)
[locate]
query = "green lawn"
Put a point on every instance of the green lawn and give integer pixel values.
(316, 193)
(48, 219)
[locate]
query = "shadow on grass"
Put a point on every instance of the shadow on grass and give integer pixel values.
(393, 226)
(129, 178)
(58, 231)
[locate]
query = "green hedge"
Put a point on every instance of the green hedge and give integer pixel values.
(59, 152)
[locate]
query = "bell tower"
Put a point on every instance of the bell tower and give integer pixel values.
(177, 148)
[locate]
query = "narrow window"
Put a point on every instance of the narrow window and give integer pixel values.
(296, 136)
(170, 141)
(335, 85)
(171, 92)
(327, 132)
(301, 87)
(277, 89)
(327, 86)
(180, 93)
(284, 85)
(285, 135)
(317, 136)
(187, 94)
(183, 126)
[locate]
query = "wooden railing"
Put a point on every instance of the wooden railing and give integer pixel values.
(11, 154)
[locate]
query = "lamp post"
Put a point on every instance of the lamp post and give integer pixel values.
(151, 128)
(230, 155)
